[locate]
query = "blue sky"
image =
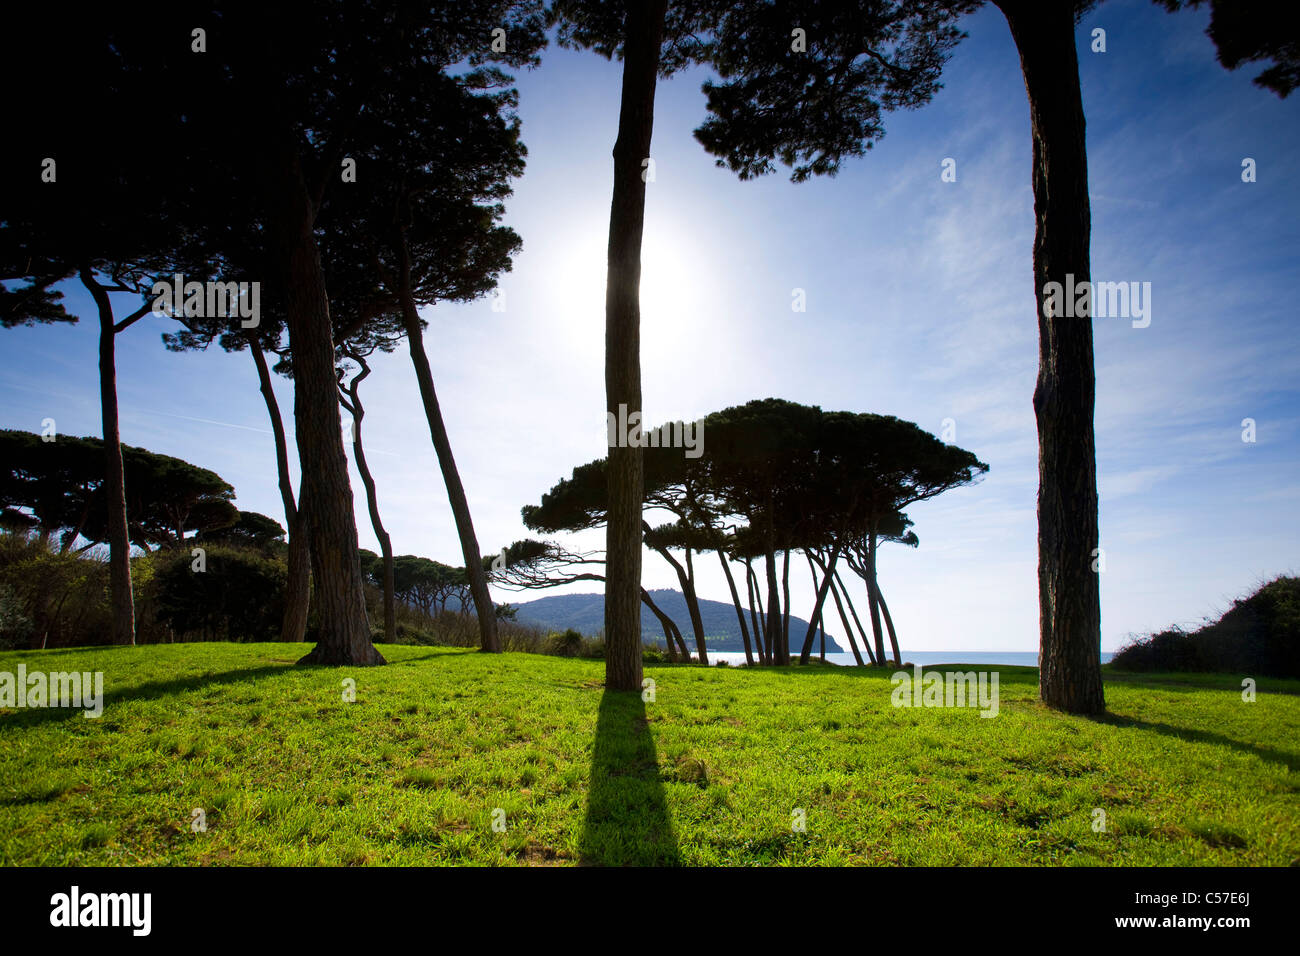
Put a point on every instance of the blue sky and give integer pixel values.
(919, 304)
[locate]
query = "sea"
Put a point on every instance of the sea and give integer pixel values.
(924, 658)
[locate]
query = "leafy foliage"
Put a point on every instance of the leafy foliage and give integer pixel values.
(60, 485)
(239, 596)
(1258, 635)
(49, 598)
(1248, 31)
(809, 109)
(252, 530)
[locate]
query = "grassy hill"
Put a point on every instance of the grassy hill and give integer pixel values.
(585, 613)
(287, 772)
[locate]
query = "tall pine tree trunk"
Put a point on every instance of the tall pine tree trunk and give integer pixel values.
(326, 493)
(693, 607)
(372, 495)
(889, 624)
(1068, 588)
(785, 597)
(692, 603)
(122, 603)
(751, 583)
(735, 600)
(298, 584)
(862, 631)
(873, 605)
(822, 590)
(844, 619)
(672, 636)
(478, 587)
(643, 34)
(778, 653)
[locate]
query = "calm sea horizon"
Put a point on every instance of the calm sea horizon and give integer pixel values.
(924, 658)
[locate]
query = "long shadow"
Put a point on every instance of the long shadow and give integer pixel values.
(35, 653)
(627, 822)
(1289, 760)
(34, 716)
(1172, 682)
(31, 716)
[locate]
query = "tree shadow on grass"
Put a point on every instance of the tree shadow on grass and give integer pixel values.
(153, 690)
(1286, 758)
(627, 822)
(31, 716)
(1196, 681)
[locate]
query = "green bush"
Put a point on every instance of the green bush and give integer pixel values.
(568, 644)
(653, 654)
(1259, 635)
(239, 596)
(406, 634)
(15, 624)
(51, 599)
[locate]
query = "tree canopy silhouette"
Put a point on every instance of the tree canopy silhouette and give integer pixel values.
(306, 89)
(775, 477)
(848, 82)
(61, 484)
(81, 204)
(1248, 31)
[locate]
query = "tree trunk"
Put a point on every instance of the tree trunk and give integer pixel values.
(779, 656)
(372, 498)
(122, 604)
(693, 608)
(680, 641)
(844, 619)
(327, 494)
(1068, 587)
(478, 586)
(668, 637)
(643, 35)
(889, 625)
(822, 591)
(69, 537)
(785, 597)
(692, 605)
(669, 626)
(756, 613)
(298, 584)
(735, 600)
(873, 605)
(862, 631)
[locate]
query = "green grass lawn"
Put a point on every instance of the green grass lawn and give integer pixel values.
(708, 773)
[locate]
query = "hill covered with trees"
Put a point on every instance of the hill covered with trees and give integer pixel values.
(586, 613)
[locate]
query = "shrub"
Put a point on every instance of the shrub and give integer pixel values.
(1259, 634)
(568, 644)
(15, 624)
(653, 654)
(49, 598)
(239, 596)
